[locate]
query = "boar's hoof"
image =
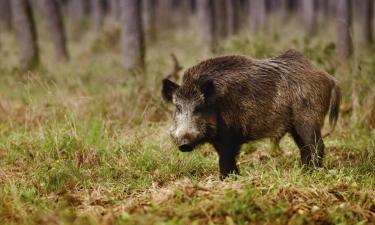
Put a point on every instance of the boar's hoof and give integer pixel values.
(225, 176)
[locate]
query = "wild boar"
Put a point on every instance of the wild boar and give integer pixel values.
(230, 100)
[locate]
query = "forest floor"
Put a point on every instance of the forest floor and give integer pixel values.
(87, 143)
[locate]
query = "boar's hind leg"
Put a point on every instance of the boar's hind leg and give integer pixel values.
(275, 146)
(227, 159)
(310, 143)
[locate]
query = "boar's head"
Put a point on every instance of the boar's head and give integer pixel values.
(195, 117)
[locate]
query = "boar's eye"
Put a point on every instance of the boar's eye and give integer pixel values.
(198, 109)
(178, 108)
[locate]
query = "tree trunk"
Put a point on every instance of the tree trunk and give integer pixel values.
(221, 18)
(324, 9)
(25, 27)
(344, 28)
(56, 28)
(132, 38)
(114, 9)
(257, 15)
(309, 15)
(165, 14)
(292, 6)
(366, 23)
(206, 15)
(5, 15)
(273, 5)
(184, 13)
(233, 16)
(97, 12)
(151, 19)
(193, 6)
(76, 10)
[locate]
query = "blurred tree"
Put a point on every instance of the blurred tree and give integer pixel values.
(132, 37)
(193, 6)
(184, 12)
(272, 5)
(233, 16)
(309, 9)
(151, 26)
(257, 15)
(5, 15)
(288, 8)
(344, 28)
(114, 9)
(206, 15)
(366, 23)
(77, 11)
(292, 6)
(165, 11)
(53, 14)
(97, 13)
(25, 27)
(221, 18)
(323, 8)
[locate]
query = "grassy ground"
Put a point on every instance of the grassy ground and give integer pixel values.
(87, 143)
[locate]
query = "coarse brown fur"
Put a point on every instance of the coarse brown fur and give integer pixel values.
(252, 99)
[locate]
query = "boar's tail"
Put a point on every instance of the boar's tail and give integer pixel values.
(334, 107)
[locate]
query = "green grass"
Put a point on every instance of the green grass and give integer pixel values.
(87, 143)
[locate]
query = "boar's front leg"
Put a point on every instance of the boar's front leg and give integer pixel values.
(227, 159)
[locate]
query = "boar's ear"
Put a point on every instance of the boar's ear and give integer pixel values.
(168, 90)
(208, 89)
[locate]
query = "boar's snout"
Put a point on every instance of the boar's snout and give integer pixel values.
(186, 144)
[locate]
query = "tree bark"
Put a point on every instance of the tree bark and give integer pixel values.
(206, 15)
(132, 37)
(292, 6)
(165, 14)
(97, 12)
(233, 16)
(56, 29)
(221, 18)
(324, 9)
(366, 23)
(5, 15)
(344, 28)
(151, 19)
(114, 9)
(77, 10)
(257, 15)
(309, 15)
(25, 27)
(193, 6)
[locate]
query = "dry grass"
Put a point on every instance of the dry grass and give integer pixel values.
(86, 143)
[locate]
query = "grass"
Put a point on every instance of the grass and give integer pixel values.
(87, 143)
